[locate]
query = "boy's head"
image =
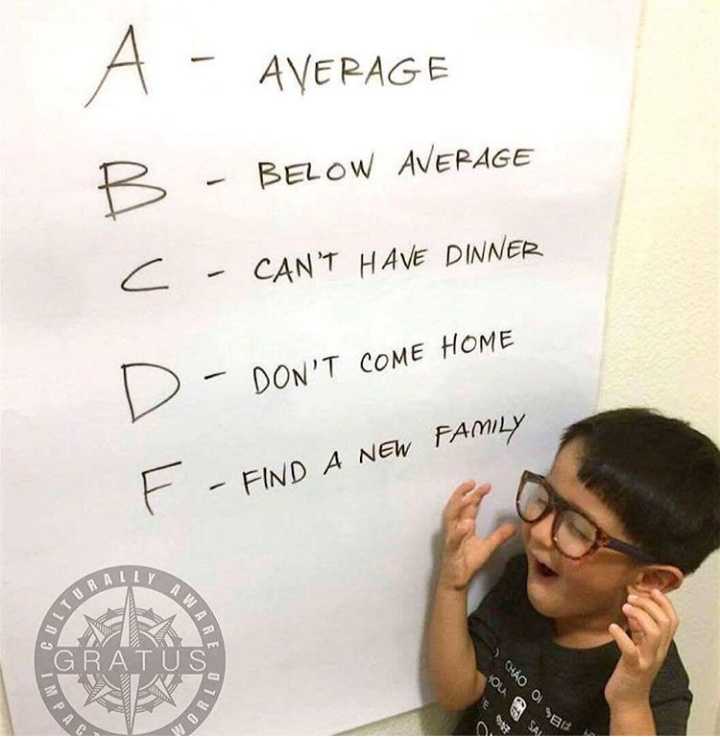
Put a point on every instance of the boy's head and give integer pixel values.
(643, 478)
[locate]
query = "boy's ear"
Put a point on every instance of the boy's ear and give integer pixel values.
(665, 578)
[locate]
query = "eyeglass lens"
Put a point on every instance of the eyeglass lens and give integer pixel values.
(575, 534)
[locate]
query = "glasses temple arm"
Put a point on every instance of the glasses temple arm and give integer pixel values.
(622, 547)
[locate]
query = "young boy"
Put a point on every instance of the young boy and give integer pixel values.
(577, 635)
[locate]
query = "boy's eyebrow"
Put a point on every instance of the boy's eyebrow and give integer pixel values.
(570, 504)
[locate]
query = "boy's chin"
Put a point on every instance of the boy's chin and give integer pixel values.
(543, 599)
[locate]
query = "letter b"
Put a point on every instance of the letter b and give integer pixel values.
(126, 182)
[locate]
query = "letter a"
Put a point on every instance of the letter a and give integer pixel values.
(114, 63)
(273, 65)
(334, 462)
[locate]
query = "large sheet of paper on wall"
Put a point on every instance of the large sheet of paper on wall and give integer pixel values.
(375, 265)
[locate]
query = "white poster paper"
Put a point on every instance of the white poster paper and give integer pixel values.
(276, 278)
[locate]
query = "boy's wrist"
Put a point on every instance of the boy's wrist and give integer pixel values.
(636, 702)
(448, 591)
(448, 585)
(631, 716)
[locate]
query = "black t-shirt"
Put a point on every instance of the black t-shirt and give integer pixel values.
(535, 686)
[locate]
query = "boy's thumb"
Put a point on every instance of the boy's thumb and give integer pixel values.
(502, 534)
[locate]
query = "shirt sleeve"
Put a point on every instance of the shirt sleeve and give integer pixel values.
(671, 697)
(671, 716)
(486, 621)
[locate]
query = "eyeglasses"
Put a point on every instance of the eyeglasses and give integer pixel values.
(573, 534)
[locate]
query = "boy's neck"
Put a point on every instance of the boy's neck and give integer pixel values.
(585, 632)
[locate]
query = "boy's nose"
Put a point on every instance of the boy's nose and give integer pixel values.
(541, 532)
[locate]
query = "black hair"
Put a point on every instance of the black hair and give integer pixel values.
(660, 476)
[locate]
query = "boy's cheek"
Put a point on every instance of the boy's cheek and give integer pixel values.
(574, 568)
(525, 533)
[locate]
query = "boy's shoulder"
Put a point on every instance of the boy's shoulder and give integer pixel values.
(506, 605)
(672, 681)
(511, 585)
(515, 567)
(514, 575)
(517, 564)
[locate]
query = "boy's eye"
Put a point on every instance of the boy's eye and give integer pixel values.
(580, 527)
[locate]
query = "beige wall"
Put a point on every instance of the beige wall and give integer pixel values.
(661, 340)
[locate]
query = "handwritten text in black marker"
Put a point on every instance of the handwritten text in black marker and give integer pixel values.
(462, 159)
(283, 375)
(126, 182)
(146, 491)
(271, 173)
(125, 281)
(287, 268)
(299, 75)
(449, 434)
(114, 64)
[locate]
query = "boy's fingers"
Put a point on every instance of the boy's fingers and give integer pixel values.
(627, 647)
(653, 609)
(470, 505)
(667, 607)
(458, 533)
(453, 503)
(500, 535)
(646, 623)
(459, 498)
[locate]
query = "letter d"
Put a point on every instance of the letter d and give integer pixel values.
(133, 415)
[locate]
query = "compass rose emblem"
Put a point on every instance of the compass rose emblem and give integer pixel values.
(122, 631)
(131, 662)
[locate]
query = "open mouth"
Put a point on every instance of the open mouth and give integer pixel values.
(543, 570)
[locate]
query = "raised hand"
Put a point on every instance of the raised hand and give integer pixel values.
(464, 553)
(653, 622)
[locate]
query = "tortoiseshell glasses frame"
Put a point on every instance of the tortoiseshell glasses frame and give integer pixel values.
(556, 502)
